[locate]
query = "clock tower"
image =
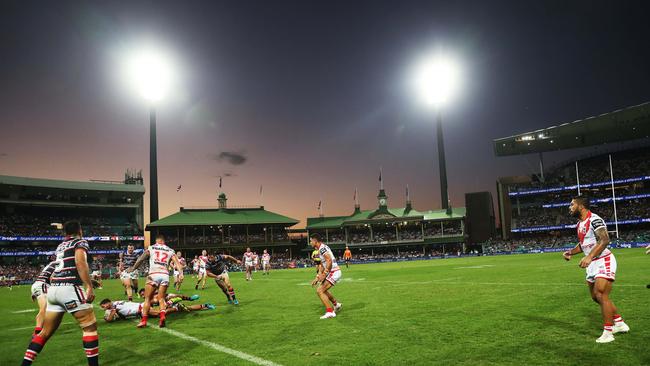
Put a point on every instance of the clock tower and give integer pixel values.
(382, 199)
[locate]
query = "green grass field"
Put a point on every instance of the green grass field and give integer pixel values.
(514, 310)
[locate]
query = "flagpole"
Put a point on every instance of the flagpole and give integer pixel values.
(381, 180)
(611, 174)
(577, 177)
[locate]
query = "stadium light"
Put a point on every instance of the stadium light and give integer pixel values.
(436, 79)
(150, 73)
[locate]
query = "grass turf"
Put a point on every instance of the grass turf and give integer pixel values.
(505, 310)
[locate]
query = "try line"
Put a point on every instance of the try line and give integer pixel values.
(218, 347)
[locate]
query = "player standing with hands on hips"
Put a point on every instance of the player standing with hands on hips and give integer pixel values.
(600, 264)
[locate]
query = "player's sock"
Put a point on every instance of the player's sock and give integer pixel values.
(618, 319)
(334, 303)
(144, 319)
(130, 298)
(329, 310)
(37, 330)
(163, 314)
(33, 349)
(225, 292)
(607, 327)
(91, 346)
(231, 292)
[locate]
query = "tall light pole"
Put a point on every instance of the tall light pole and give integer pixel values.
(436, 80)
(153, 166)
(150, 74)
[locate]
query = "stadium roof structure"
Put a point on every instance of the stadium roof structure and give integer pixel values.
(72, 185)
(223, 216)
(377, 215)
(625, 124)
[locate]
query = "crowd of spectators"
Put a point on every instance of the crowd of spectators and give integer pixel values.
(37, 225)
(538, 216)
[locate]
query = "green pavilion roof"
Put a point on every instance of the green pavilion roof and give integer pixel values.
(390, 214)
(223, 216)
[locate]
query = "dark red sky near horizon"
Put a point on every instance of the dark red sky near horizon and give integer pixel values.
(312, 94)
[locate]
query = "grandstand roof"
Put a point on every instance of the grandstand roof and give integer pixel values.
(223, 216)
(367, 216)
(625, 124)
(66, 184)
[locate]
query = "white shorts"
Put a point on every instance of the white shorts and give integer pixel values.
(603, 267)
(158, 279)
(129, 275)
(38, 289)
(66, 298)
(334, 276)
(202, 272)
(176, 274)
(265, 264)
(248, 264)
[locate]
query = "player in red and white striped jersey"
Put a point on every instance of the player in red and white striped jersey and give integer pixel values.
(160, 257)
(328, 275)
(266, 262)
(202, 260)
(248, 264)
(177, 279)
(600, 264)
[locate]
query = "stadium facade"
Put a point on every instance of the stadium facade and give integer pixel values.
(615, 176)
(228, 228)
(385, 227)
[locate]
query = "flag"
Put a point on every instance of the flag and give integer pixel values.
(220, 182)
(260, 189)
(319, 204)
(178, 189)
(407, 192)
(380, 174)
(355, 195)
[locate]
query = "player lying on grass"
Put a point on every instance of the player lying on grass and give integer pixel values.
(170, 297)
(216, 268)
(600, 264)
(116, 310)
(328, 276)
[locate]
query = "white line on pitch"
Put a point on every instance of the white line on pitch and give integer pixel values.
(24, 311)
(218, 347)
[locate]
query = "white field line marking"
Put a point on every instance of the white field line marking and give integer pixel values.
(218, 347)
(24, 311)
(451, 282)
(32, 327)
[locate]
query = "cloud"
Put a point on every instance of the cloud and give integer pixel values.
(3, 155)
(230, 157)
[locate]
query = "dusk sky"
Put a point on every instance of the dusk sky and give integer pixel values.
(307, 98)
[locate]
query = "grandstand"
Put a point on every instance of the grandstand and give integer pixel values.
(110, 212)
(533, 210)
(385, 229)
(226, 228)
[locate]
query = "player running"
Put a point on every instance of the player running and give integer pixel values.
(66, 294)
(116, 310)
(160, 256)
(201, 273)
(248, 263)
(600, 264)
(39, 293)
(347, 256)
(329, 275)
(266, 262)
(216, 268)
(129, 279)
(178, 280)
